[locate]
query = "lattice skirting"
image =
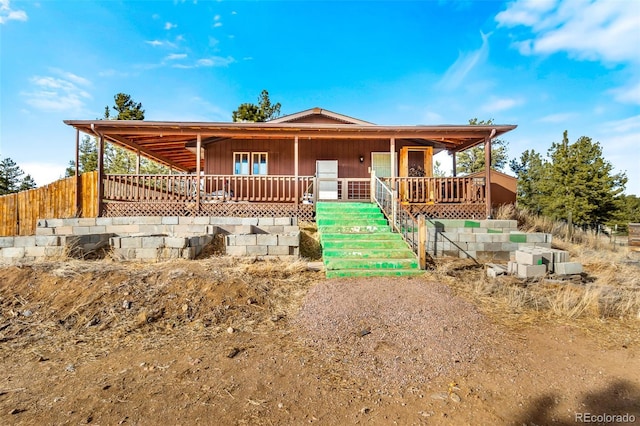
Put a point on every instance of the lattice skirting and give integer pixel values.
(304, 212)
(449, 211)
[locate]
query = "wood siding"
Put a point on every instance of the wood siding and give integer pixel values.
(219, 155)
(19, 213)
(503, 187)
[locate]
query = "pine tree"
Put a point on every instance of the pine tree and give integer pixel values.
(263, 111)
(581, 187)
(531, 172)
(88, 157)
(472, 160)
(27, 183)
(10, 176)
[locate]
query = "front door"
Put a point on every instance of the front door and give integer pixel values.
(327, 178)
(381, 164)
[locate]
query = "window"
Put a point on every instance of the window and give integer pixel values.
(245, 163)
(240, 163)
(259, 162)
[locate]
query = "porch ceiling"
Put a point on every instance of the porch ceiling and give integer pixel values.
(169, 142)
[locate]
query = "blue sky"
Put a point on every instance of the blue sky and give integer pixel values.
(545, 65)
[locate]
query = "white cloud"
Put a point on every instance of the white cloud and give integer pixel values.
(624, 125)
(501, 104)
(154, 43)
(599, 30)
(7, 13)
(465, 63)
(42, 172)
(217, 25)
(57, 94)
(163, 43)
(215, 61)
(169, 26)
(175, 56)
(629, 94)
(558, 118)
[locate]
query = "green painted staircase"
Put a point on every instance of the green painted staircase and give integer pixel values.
(357, 242)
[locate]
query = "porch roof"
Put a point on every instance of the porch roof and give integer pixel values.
(169, 142)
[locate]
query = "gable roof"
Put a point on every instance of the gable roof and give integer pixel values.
(317, 115)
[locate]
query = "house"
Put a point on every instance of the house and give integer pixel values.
(282, 167)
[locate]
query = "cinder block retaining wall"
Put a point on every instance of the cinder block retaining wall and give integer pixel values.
(481, 239)
(153, 238)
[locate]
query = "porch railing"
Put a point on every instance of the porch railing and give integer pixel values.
(209, 188)
(465, 190)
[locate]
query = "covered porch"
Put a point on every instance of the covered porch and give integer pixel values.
(209, 178)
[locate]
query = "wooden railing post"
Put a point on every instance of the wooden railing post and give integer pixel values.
(372, 188)
(422, 239)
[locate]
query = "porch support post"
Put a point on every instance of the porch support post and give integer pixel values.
(392, 148)
(100, 174)
(198, 159)
(77, 173)
(296, 170)
(453, 159)
(138, 161)
(487, 170)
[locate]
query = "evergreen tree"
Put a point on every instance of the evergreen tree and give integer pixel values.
(126, 108)
(88, 157)
(472, 160)
(580, 186)
(531, 172)
(27, 183)
(10, 176)
(263, 111)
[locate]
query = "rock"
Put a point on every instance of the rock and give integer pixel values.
(364, 332)
(27, 313)
(454, 397)
(443, 396)
(280, 405)
(126, 304)
(230, 330)
(365, 410)
(233, 352)
(70, 368)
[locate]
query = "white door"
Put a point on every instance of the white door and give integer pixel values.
(381, 164)
(327, 174)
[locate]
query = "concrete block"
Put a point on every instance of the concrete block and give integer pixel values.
(266, 221)
(294, 221)
(123, 221)
(237, 250)
(6, 242)
(13, 252)
(566, 268)
(37, 252)
(152, 229)
(289, 229)
(249, 221)
(448, 236)
(278, 250)
(266, 239)
(275, 229)
(148, 220)
(81, 230)
(246, 240)
(284, 221)
(53, 223)
(169, 220)
(467, 254)
(171, 253)
(189, 253)
(124, 253)
(54, 251)
(289, 239)
(531, 271)
(97, 229)
(536, 237)
(28, 241)
(104, 221)
(495, 247)
(42, 223)
(122, 229)
(152, 242)
(45, 231)
(484, 238)
(175, 242)
(201, 220)
(114, 242)
(512, 268)
(526, 258)
(185, 220)
(147, 253)
(86, 221)
(70, 222)
(231, 240)
(256, 250)
(509, 247)
(518, 237)
(131, 242)
(467, 238)
(42, 240)
(476, 247)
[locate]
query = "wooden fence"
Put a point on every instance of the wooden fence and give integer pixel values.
(19, 213)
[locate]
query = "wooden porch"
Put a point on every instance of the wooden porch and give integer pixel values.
(246, 196)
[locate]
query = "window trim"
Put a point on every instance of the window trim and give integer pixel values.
(250, 161)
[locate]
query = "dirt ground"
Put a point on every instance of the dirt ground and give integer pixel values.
(222, 341)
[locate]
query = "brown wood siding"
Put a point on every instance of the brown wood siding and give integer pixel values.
(20, 212)
(219, 155)
(503, 187)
